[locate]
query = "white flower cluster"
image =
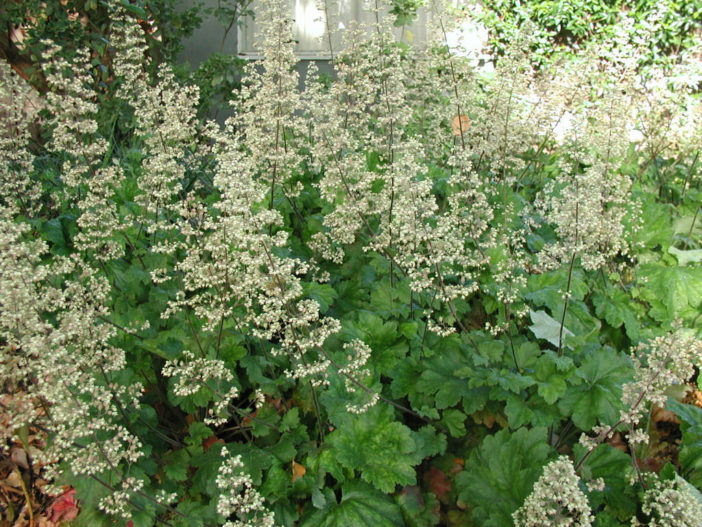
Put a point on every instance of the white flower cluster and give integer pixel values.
(670, 504)
(233, 268)
(17, 107)
(392, 102)
(588, 199)
(117, 503)
(658, 364)
(238, 501)
(165, 113)
(66, 367)
(662, 362)
(192, 375)
(358, 353)
(267, 124)
(556, 500)
(75, 135)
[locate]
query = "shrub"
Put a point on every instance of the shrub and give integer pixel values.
(663, 28)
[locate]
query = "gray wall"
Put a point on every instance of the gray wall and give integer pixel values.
(208, 38)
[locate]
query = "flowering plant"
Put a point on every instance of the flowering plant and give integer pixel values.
(391, 298)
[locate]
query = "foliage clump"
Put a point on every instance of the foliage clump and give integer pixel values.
(412, 275)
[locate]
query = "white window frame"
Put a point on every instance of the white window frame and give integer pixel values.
(349, 10)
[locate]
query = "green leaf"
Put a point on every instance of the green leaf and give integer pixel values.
(284, 450)
(132, 280)
(377, 185)
(320, 499)
(527, 354)
(197, 433)
(327, 463)
(207, 464)
(517, 412)
(388, 346)
(429, 442)
(615, 308)
(291, 420)
(672, 291)
(605, 519)
(683, 224)
(336, 399)
(144, 516)
(491, 351)
(134, 9)
(599, 396)
(409, 329)
(361, 506)
(446, 375)
(379, 447)
(390, 300)
(553, 388)
(455, 420)
(546, 289)
(690, 450)
(404, 378)
(547, 328)
(266, 421)
(231, 352)
(53, 232)
(276, 481)
(323, 294)
(405, 375)
(170, 348)
(690, 415)
(657, 228)
(500, 474)
(419, 509)
(89, 492)
(255, 459)
(195, 513)
(176, 467)
(508, 380)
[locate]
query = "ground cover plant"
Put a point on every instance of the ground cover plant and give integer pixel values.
(410, 294)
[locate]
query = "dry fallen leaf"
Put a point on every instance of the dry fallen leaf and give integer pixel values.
(458, 465)
(19, 457)
(13, 479)
(484, 417)
(666, 423)
(246, 421)
(659, 414)
(297, 470)
(438, 483)
(617, 442)
(693, 396)
(207, 443)
(65, 507)
(460, 124)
